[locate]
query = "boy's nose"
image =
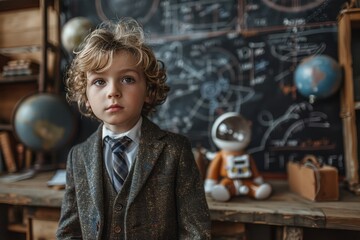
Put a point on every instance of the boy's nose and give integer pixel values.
(114, 90)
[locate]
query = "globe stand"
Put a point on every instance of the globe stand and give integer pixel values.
(41, 163)
(312, 99)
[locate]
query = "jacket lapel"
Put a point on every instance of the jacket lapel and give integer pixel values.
(93, 163)
(150, 149)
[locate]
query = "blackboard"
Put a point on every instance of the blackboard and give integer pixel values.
(240, 56)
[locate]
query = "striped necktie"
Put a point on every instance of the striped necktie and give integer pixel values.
(120, 167)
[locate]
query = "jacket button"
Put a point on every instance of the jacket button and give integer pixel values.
(117, 229)
(119, 207)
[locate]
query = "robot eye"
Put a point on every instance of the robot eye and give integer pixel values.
(239, 136)
(224, 130)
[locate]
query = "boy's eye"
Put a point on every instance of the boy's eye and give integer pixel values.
(99, 82)
(128, 80)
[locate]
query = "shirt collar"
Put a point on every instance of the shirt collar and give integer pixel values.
(134, 133)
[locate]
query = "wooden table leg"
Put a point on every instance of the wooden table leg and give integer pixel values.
(3, 220)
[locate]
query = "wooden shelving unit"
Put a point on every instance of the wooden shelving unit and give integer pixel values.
(29, 29)
(8, 5)
(349, 24)
(40, 47)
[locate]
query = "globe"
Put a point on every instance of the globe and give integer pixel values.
(318, 76)
(43, 122)
(74, 31)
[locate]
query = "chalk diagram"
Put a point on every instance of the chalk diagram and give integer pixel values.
(207, 79)
(297, 117)
(272, 15)
(290, 48)
(287, 133)
(204, 83)
(293, 5)
(284, 137)
(142, 10)
(295, 45)
(173, 17)
(209, 74)
(194, 16)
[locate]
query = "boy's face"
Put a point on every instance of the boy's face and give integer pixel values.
(117, 95)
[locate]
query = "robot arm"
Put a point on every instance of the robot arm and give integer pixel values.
(213, 173)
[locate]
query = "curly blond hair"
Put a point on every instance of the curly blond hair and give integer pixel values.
(96, 53)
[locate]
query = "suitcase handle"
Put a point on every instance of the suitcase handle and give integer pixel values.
(311, 161)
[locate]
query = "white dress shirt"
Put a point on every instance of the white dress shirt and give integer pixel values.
(130, 152)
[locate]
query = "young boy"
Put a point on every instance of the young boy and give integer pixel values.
(148, 189)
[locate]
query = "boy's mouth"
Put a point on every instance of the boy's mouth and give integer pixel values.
(114, 107)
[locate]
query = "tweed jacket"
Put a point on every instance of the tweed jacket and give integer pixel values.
(166, 199)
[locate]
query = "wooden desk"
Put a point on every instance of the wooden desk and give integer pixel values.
(284, 210)
(29, 208)
(291, 212)
(31, 192)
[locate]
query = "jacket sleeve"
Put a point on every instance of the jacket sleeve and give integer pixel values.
(193, 213)
(69, 225)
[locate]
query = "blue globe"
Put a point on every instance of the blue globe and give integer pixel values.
(43, 122)
(318, 76)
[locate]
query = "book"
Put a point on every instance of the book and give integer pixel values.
(58, 181)
(2, 170)
(22, 67)
(28, 158)
(19, 176)
(7, 152)
(20, 155)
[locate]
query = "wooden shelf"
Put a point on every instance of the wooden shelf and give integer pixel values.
(22, 49)
(7, 127)
(25, 49)
(17, 227)
(9, 5)
(19, 79)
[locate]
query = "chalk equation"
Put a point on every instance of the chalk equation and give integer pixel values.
(272, 15)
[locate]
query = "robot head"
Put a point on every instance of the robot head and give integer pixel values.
(231, 132)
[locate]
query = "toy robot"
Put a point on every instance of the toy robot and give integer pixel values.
(233, 172)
